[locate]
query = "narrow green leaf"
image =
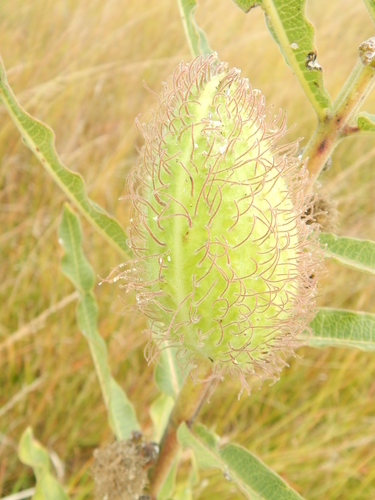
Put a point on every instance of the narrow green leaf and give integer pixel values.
(294, 34)
(41, 140)
(183, 493)
(209, 438)
(237, 464)
(207, 457)
(168, 373)
(196, 37)
(365, 122)
(160, 410)
(167, 489)
(184, 489)
(254, 475)
(246, 5)
(49, 489)
(342, 328)
(32, 453)
(122, 414)
(350, 252)
(370, 4)
(75, 266)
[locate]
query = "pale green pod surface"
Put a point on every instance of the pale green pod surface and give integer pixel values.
(225, 260)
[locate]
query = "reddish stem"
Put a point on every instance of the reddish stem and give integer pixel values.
(336, 126)
(188, 403)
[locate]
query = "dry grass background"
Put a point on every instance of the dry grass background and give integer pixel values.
(79, 66)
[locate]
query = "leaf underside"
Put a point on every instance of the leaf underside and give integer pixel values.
(252, 476)
(350, 252)
(343, 328)
(294, 35)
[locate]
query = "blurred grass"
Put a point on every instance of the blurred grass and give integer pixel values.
(79, 66)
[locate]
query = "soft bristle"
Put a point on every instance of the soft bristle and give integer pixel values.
(224, 264)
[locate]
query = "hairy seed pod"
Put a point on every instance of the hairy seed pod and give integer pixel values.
(224, 259)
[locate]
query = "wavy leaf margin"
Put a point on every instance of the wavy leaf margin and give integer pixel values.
(40, 138)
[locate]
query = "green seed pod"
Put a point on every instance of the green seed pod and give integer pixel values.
(224, 258)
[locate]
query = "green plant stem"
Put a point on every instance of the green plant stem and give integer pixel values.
(335, 126)
(188, 403)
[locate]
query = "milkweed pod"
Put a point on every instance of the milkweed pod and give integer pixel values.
(223, 257)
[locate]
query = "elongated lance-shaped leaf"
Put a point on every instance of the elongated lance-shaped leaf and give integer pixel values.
(370, 4)
(76, 267)
(294, 34)
(184, 490)
(41, 140)
(342, 328)
(247, 5)
(252, 476)
(196, 37)
(365, 122)
(350, 252)
(160, 410)
(32, 453)
(169, 375)
(166, 492)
